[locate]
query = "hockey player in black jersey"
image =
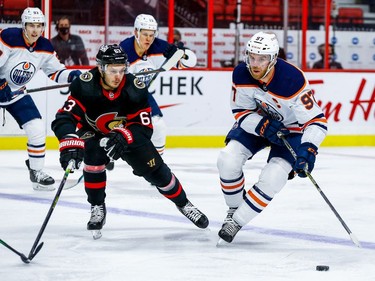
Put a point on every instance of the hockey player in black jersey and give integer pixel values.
(110, 108)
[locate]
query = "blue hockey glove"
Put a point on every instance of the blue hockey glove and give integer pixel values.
(118, 142)
(73, 75)
(71, 149)
(169, 51)
(268, 128)
(5, 91)
(306, 153)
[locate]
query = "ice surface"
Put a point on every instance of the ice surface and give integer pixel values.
(146, 238)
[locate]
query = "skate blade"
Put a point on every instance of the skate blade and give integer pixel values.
(221, 242)
(96, 234)
(40, 187)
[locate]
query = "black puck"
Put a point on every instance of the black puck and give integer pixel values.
(322, 267)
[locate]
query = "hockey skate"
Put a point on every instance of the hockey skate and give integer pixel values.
(228, 231)
(194, 215)
(229, 216)
(41, 181)
(97, 220)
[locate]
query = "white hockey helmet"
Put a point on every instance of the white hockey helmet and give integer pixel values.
(32, 15)
(144, 21)
(263, 43)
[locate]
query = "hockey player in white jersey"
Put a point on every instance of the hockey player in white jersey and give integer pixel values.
(23, 51)
(269, 95)
(146, 52)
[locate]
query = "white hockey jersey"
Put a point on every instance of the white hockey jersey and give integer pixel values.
(153, 59)
(19, 61)
(287, 97)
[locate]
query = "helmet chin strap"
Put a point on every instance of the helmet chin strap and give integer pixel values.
(25, 33)
(137, 38)
(102, 75)
(138, 41)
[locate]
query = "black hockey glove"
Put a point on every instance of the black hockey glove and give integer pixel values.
(73, 75)
(268, 128)
(71, 149)
(306, 153)
(118, 142)
(169, 51)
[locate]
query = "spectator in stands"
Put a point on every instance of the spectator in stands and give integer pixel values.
(332, 64)
(177, 39)
(69, 48)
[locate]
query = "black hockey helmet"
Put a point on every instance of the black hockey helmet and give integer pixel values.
(111, 54)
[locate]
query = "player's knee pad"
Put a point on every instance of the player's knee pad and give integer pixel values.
(35, 131)
(160, 131)
(231, 160)
(274, 176)
(160, 177)
(143, 159)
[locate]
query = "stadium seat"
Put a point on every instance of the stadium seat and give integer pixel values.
(295, 11)
(350, 15)
(268, 11)
(317, 11)
(219, 9)
(12, 9)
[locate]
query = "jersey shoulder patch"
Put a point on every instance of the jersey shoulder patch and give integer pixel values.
(86, 76)
(139, 84)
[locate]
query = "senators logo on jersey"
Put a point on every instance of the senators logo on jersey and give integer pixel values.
(106, 122)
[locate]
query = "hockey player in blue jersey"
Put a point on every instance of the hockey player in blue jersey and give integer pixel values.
(147, 52)
(23, 51)
(269, 95)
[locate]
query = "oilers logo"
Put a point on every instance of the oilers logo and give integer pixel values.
(269, 110)
(145, 78)
(22, 73)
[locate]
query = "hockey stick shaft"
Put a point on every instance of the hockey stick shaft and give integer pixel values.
(36, 248)
(21, 92)
(308, 174)
(167, 64)
(46, 88)
(22, 256)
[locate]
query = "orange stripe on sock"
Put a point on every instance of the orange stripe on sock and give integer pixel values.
(256, 199)
(232, 186)
(36, 151)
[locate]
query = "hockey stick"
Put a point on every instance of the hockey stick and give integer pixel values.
(167, 65)
(16, 95)
(46, 88)
(74, 183)
(36, 248)
(351, 234)
(22, 256)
